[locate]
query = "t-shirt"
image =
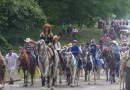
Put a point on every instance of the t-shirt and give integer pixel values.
(11, 60)
(75, 30)
(75, 50)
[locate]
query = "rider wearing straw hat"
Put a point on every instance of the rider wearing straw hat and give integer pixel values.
(47, 35)
(57, 47)
(116, 50)
(28, 46)
(76, 51)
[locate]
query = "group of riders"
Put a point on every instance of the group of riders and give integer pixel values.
(79, 52)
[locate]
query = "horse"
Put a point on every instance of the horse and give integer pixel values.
(104, 56)
(89, 67)
(112, 65)
(69, 31)
(43, 60)
(71, 68)
(28, 67)
(52, 74)
(2, 72)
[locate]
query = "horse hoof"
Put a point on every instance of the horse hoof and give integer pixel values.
(72, 85)
(48, 86)
(31, 84)
(88, 83)
(52, 88)
(60, 82)
(25, 85)
(43, 88)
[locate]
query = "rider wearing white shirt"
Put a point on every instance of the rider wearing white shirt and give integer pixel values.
(11, 59)
(75, 30)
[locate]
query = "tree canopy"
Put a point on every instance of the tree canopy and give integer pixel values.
(59, 11)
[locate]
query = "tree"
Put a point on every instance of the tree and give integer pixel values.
(22, 14)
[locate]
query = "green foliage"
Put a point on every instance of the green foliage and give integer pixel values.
(4, 46)
(83, 10)
(21, 14)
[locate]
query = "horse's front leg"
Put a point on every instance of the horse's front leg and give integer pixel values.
(86, 73)
(94, 76)
(32, 77)
(78, 73)
(25, 79)
(106, 74)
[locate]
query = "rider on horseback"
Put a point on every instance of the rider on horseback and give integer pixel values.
(76, 51)
(57, 47)
(47, 35)
(30, 52)
(116, 50)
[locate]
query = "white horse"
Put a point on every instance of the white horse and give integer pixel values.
(53, 69)
(43, 60)
(71, 68)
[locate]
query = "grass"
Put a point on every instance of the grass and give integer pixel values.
(86, 34)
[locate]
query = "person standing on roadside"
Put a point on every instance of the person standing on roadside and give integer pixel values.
(125, 69)
(11, 59)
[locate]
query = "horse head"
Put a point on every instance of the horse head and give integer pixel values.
(68, 57)
(40, 47)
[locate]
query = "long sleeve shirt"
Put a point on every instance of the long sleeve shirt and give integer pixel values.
(11, 60)
(75, 50)
(57, 46)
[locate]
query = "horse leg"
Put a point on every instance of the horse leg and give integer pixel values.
(106, 74)
(78, 73)
(94, 76)
(48, 81)
(43, 82)
(32, 77)
(25, 79)
(86, 73)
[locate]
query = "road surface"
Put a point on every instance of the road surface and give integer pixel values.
(101, 84)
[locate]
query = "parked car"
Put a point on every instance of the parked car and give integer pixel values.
(125, 30)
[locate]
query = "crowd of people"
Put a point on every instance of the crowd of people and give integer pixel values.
(78, 51)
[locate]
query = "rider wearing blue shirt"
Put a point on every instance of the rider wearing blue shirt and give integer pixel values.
(93, 52)
(75, 50)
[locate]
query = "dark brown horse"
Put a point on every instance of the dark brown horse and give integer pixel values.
(109, 64)
(112, 65)
(27, 67)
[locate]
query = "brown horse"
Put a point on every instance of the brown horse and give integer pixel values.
(2, 70)
(112, 65)
(27, 67)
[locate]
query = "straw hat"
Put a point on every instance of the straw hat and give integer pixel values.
(115, 42)
(64, 47)
(27, 40)
(70, 45)
(47, 25)
(55, 37)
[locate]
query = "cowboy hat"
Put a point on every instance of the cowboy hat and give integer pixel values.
(47, 25)
(64, 47)
(115, 42)
(56, 37)
(74, 41)
(27, 40)
(70, 45)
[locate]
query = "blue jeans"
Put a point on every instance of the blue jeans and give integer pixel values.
(78, 60)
